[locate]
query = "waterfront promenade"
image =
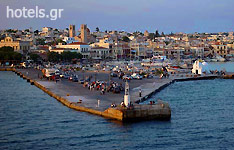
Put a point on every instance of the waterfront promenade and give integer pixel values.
(74, 91)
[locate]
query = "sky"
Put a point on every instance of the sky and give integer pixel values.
(167, 16)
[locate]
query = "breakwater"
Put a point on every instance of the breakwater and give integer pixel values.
(160, 111)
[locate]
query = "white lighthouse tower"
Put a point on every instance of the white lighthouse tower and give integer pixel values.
(127, 95)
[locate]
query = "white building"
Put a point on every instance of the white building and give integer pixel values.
(79, 47)
(69, 40)
(200, 67)
(47, 29)
(99, 53)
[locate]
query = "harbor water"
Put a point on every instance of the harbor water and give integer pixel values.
(202, 118)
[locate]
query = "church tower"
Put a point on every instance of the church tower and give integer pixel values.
(83, 33)
(72, 31)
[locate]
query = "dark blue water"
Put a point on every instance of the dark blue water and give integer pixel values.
(202, 118)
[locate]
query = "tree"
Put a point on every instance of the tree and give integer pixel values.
(34, 57)
(6, 49)
(7, 53)
(36, 32)
(151, 36)
(125, 39)
(97, 29)
(17, 56)
(53, 56)
(163, 34)
(68, 56)
(11, 31)
(26, 30)
(41, 41)
(167, 42)
(60, 41)
(157, 34)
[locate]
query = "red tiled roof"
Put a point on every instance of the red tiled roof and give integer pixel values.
(78, 43)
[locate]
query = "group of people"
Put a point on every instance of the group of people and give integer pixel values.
(165, 73)
(102, 86)
(130, 105)
(218, 72)
(96, 85)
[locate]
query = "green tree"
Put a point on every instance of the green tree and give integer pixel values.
(157, 34)
(41, 41)
(11, 31)
(17, 56)
(125, 39)
(53, 56)
(6, 49)
(151, 36)
(34, 57)
(167, 42)
(97, 29)
(7, 53)
(26, 30)
(36, 32)
(68, 56)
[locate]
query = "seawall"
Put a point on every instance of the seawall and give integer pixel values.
(140, 112)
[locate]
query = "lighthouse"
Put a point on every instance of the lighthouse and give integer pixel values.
(127, 95)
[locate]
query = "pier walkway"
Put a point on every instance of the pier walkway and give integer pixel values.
(69, 93)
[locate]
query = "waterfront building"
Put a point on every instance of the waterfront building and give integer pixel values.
(197, 51)
(200, 67)
(17, 45)
(79, 47)
(99, 53)
(121, 50)
(220, 49)
(139, 47)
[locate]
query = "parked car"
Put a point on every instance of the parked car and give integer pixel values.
(127, 77)
(114, 74)
(66, 76)
(81, 81)
(116, 90)
(150, 76)
(136, 76)
(75, 79)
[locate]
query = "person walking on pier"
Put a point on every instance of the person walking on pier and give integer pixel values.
(140, 93)
(98, 102)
